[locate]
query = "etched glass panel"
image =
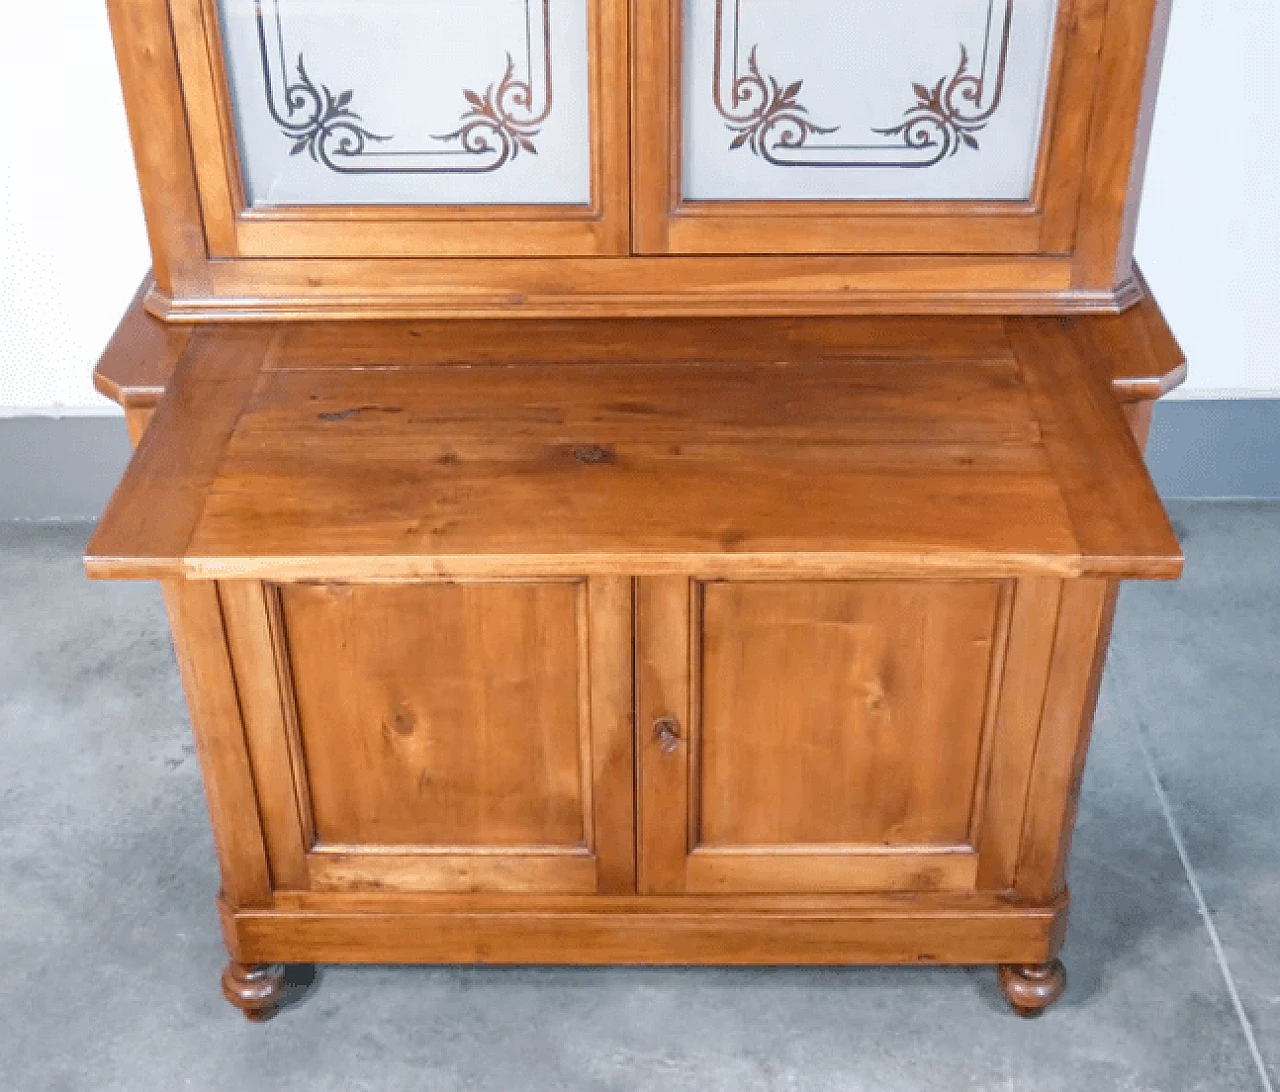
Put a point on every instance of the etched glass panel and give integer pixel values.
(870, 99)
(360, 102)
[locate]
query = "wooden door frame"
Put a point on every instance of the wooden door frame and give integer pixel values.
(262, 924)
(256, 644)
(191, 285)
(1051, 638)
(671, 859)
(666, 223)
(234, 229)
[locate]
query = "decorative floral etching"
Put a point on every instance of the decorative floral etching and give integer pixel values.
(496, 117)
(494, 129)
(769, 118)
(774, 116)
(321, 123)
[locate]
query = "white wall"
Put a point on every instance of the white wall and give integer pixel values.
(72, 242)
(72, 246)
(1209, 238)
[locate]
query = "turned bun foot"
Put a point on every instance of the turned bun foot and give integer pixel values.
(1032, 987)
(254, 988)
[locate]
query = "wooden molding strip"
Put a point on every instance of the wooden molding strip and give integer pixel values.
(665, 301)
(636, 931)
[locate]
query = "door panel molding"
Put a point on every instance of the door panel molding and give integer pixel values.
(678, 855)
(522, 870)
(835, 869)
(768, 118)
(502, 120)
(599, 859)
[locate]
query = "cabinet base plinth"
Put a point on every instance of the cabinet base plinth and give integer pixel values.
(655, 931)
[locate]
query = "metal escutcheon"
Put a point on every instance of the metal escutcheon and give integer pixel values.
(666, 731)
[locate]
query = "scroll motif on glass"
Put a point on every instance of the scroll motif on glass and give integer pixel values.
(875, 99)
(410, 101)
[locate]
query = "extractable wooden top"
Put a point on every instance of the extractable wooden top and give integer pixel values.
(327, 452)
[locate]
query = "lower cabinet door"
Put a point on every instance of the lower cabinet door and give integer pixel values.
(833, 736)
(440, 737)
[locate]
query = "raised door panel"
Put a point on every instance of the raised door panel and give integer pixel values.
(842, 713)
(445, 736)
(925, 126)
(407, 126)
(830, 736)
(442, 715)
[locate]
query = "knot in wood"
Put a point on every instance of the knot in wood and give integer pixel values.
(593, 454)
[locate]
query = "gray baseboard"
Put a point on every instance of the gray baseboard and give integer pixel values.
(66, 467)
(1217, 448)
(60, 467)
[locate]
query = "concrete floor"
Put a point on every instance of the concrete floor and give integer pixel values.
(109, 946)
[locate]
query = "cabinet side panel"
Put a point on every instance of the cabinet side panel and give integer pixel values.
(137, 420)
(1075, 675)
(252, 612)
(199, 637)
(1017, 726)
(1139, 415)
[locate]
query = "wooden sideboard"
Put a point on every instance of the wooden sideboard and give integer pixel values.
(641, 488)
(787, 656)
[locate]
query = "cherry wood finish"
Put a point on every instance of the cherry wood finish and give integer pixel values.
(234, 230)
(470, 695)
(1047, 223)
(439, 736)
(831, 739)
(229, 290)
(139, 360)
(642, 655)
(863, 763)
(1136, 350)
(1070, 251)
(594, 930)
(816, 467)
(651, 580)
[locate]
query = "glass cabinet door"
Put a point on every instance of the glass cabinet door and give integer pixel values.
(356, 127)
(863, 100)
(858, 125)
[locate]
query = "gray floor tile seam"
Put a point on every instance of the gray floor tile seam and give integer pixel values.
(1206, 916)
